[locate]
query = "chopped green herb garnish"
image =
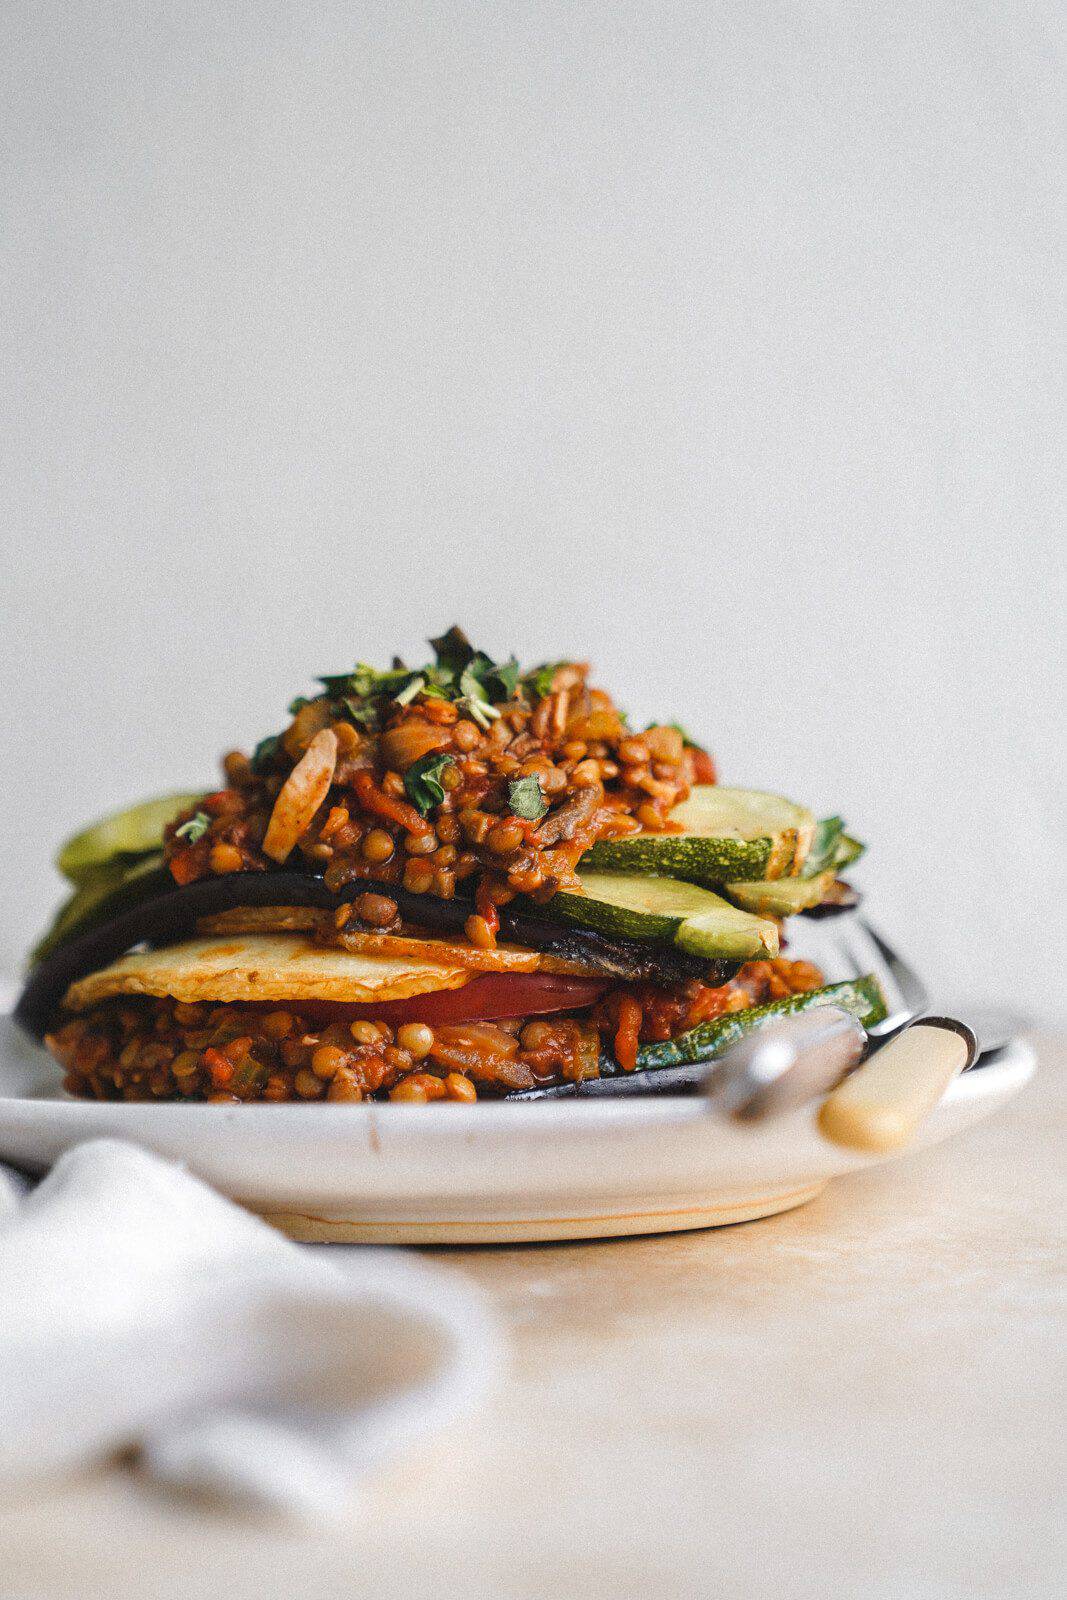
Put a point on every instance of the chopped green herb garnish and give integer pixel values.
(362, 712)
(422, 781)
(195, 828)
(459, 673)
(480, 711)
(488, 681)
(506, 677)
(453, 649)
(538, 683)
(474, 696)
(298, 704)
(265, 751)
(365, 683)
(526, 799)
(404, 696)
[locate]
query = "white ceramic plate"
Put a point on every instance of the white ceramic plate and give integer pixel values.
(486, 1173)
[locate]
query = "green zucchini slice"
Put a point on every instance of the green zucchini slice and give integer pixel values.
(848, 850)
(831, 847)
(663, 909)
(137, 831)
(727, 835)
(781, 897)
(863, 997)
(112, 888)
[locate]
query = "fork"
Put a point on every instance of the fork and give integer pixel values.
(848, 948)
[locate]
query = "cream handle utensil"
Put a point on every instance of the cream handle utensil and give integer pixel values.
(787, 1064)
(881, 1105)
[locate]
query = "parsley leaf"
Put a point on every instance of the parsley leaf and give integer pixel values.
(525, 798)
(195, 828)
(422, 781)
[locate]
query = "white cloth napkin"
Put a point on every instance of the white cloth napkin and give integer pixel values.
(138, 1307)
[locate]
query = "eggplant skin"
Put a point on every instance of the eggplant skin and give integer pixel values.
(844, 898)
(173, 915)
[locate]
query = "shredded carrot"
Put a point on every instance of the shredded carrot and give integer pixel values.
(708, 1003)
(185, 867)
(627, 1033)
(220, 1067)
(383, 805)
(221, 800)
(486, 907)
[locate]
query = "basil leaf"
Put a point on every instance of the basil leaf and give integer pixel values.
(366, 683)
(195, 828)
(525, 798)
(453, 649)
(471, 687)
(361, 712)
(422, 781)
(265, 751)
(338, 685)
(506, 678)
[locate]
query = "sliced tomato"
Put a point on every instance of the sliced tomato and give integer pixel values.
(489, 995)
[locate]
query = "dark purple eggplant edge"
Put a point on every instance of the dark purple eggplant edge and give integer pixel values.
(173, 915)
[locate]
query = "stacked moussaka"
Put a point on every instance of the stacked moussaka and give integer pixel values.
(436, 883)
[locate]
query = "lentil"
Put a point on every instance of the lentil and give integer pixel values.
(378, 845)
(365, 1033)
(416, 1038)
(327, 1060)
(225, 858)
(479, 933)
(460, 1088)
(140, 1048)
(377, 909)
(505, 838)
(418, 876)
(349, 809)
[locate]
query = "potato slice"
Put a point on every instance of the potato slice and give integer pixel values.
(264, 967)
(449, 952)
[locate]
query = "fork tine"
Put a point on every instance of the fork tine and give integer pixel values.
(853, 948)
(870, 957)
(913, 990)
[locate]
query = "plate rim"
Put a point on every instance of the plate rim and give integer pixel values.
(1011, 1069)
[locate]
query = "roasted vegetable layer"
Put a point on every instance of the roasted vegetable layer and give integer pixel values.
(132, 1047)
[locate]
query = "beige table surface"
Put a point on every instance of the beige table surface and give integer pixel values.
(864, 1397)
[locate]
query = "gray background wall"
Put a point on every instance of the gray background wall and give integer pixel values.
(714, 341)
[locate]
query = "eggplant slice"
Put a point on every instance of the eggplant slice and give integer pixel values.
(842, 897)
(173, 913)
(687, 1078)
